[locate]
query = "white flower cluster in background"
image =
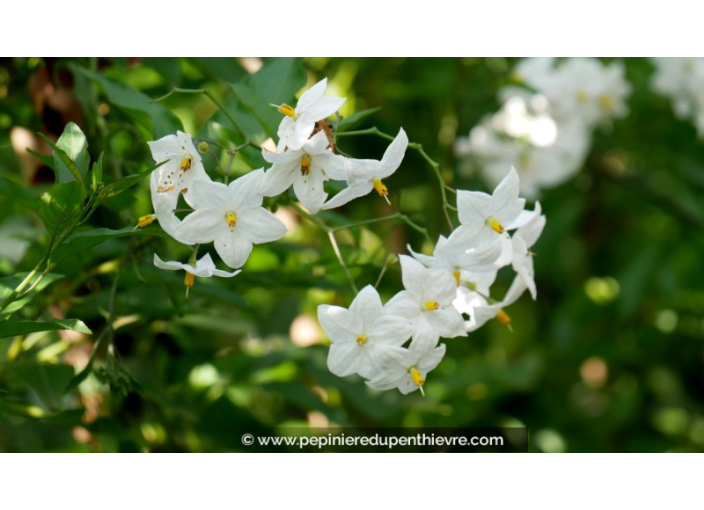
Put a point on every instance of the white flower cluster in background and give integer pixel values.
(445, 295)
(682, 80)
(232, 216)
(545, 125)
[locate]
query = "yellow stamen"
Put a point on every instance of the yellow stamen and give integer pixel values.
(231, 219)
(582, 96)
(190, 279)
(456, 274)
(417, 377)
(383, 191)
(146, 220)
(496, 226)
(432, 305)
(361, 339)
(305, 165)
(286, 110)
(607, 102)
(503, 318)
(186, 162)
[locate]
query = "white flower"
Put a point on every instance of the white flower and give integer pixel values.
(232, 217)
(306, 168)
(360, 334)
(298, 124)
(461, 258)
(205, 267)
(406, 369)
(164, 205)
(523, 239)
(489, 216)
(427, 302)
(364, 175)
(183, 164)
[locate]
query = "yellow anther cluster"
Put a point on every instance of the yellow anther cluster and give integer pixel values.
(287, 110)
(457, 275)
(186, 162)
(305, 165)
(417, 377)
(503, 318)
(607, 102)
(190, 279)
(432, 305)
(361, 339)
(145, 220)
(496, 226)
(231, 219)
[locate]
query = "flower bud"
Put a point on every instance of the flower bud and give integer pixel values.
(203, 146)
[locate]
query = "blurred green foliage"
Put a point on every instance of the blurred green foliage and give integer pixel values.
(609, 358)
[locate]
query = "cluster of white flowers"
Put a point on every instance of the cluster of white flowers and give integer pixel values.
(368, 338)
(231, 216)
(545, 124)
(682, 79)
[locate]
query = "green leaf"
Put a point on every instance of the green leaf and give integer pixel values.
(28, 197)
(66, 169)
(73, 142)
(77, 242)
(47, 160)
(61, 205)
(97, 173)
(14, 328)
(355, 119)
(125, 183)
(9, 283)
(152, 116)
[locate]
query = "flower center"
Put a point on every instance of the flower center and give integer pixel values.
(503, 318)
(305, 165)
(432, 305)
(582, 96)
(456, 273)
(231, 219)
(383, 191)
(361, 339)
(190, 279)
(607, 102)
(186, 162)
(495, 225)
(287, 110)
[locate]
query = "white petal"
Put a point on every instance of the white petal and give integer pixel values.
(233, 249)
(402, 305)
(202, 226)
(299, 134)
(338, 324)
(310, 96)
(281, 157)
(414, 276)
(309, 189)
(448, 322)
(317, 144)
(393, 156)
(473, 207)
(425, 336)
(349, 194)
(279, 178)
(431, 360)
(333, 165)
(245, 192)
(322, 108)
(260, 226)
(345, 358)
(366, 307)
(171, 265)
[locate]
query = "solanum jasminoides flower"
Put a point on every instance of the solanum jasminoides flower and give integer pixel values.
(523, 239)
(427, 302)
(306, 168)
(232, 217)
(204, 267)
(406, 369)
(364, 175)
(183, 164)
(359, 335)
(164, 205)
(298, 123)
(486, 218)
(480, 310)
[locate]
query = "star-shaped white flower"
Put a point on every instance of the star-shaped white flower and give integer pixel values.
(406, 369)
(298, 123)
(205, 267)
(360, 334)
(427, 302)
(232, 217)
(306, 168)
(164, 205)
(183, 164)
(364, 175)
(487, 217)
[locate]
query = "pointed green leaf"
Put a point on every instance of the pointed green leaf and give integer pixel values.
(355, 119)
(73, 142)
(13, 328)
(61, 205)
